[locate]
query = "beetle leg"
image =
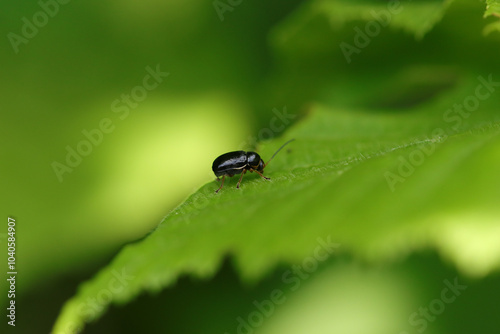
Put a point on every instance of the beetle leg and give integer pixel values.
(223, 177)
(256, 171)
(239, 181)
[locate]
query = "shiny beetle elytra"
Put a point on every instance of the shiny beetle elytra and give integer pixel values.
(237, 162)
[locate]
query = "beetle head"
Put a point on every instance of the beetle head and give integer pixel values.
(255, 161)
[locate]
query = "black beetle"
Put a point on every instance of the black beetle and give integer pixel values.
(237, 162)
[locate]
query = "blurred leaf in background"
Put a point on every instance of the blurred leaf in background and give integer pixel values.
(367, 87)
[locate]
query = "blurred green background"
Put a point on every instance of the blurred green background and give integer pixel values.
(230, 67)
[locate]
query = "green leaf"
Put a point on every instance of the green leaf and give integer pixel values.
(488, 29)
(414, 17)
(381, 184)
(492, 8)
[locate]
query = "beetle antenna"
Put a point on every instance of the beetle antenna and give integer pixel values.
(279, 149)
